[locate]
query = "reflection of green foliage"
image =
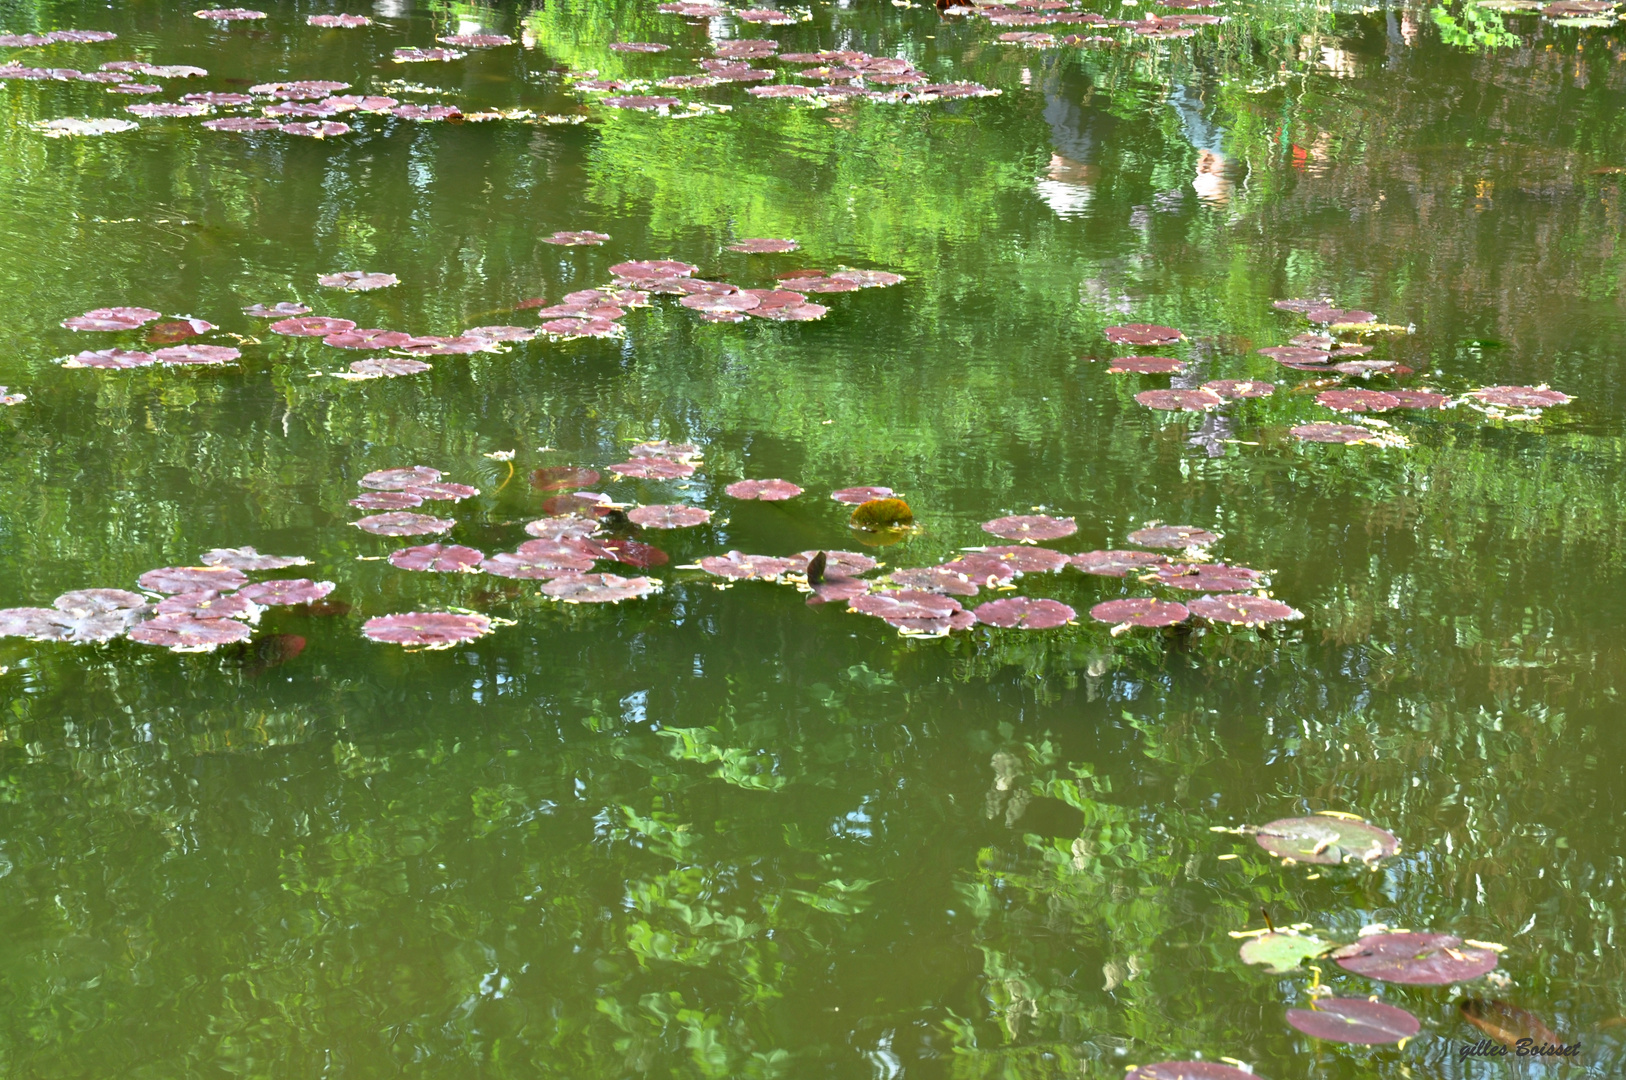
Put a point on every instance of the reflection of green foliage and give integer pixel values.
(1479, 28)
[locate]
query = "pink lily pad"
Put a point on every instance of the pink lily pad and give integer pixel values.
(1332, 433)
(386, 500)
(1142, 334)
(791, 312)
(427, 629)
(730, 302)
(1238, 389)
(740, 567)
(1296, 354)
(35, 624)
(915, 613)
(1173, 537)
(1188, 1070)
(111, 319)
(1243, 610)
(868, 279)
(1339, 315)
(651, 270)
(439, 558)
(1520, 397)
(246, 558)
(1178, 400)
(631, 552)
(768, 16)
(1354, 1020)
(837, 590)
(1146, 365)
(781, 91)
(663, 448)
(313, 326)
(357, 281)
(1326, 841)
(442, 491)
(763, 490)
(114, 359)
(369, 338)
(177, 330)
(229, 14)
(461, 345)
(82, 602)
(668, 516)
(937, 579)
(763, 246)
(561, 527)
(1356, 400)
(567, 552)
(821, 284)
(1031, 527)
(586, 238)
(403, 523)
(208, 604)
(165, 108)
(197, 354)
(983, 568)
(638, 46)
(346, 22)
(183, 633)
(576, 328)
(1024, 613)
(854, 496)
(1028, 560)
(386, 367)
(284, 310)
(426, 113)
(1140, 611)
(1419, 399)
(598, 588)
(1415, 959)
(400, 479)
(170, 580)
(421, 56)
(1116, 563)
(286, 591)
(514, 565)
(476, 41)
(501, 333)
(837, 564)
(1208, 577)
(653, 469)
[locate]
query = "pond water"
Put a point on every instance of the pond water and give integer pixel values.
(719, 832)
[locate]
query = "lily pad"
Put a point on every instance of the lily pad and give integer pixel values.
(671, 516)
(1173, 537)
(598, 588)
(1333, 433)
(1326, 840)
(1415, 959)
(1208, 577)
(937, 579)
(638, 46)
(357, 281)
(1146, 365)
(197, 354)
(1281, 953)
(1339, 316)
(1297, 354)
(386, 500)
(112, 319)
(1518, 397)
(1033, 527)
(1418, 399)
(229, 14)
(1142, 334)
(208, 604)
(913, 612)
(439, 558)
(868, 279)
(653, 468)
(652, 269)
(737, 566)
(983, 568)
(179, 579)
(874, 515)
(476, 41)
(312, 326)
(403, 523)
(285, 591)
(367, 338)
(246, 558)
(1116, 563)
(424, 56)
(386, 367)
(35, 624)
(183, 633)
(84, 602)
(111, 359)
(837, 564)
(1188, 1070)
(721, 302)
(284, 310)
(1025, 613)
(346, 22)
(561, 527)
(1179, 400)
(1140, 611)
(1238, 389)
(631, 552)
(763, 490)
(1354, 1020)
(585, 238)
(400, 479)
(1028, 560)
(1357, 400)
(763, 246)
(1243, 610)
(427, 629)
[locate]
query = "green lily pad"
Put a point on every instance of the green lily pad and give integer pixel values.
(1326, 840)
(1282, 953)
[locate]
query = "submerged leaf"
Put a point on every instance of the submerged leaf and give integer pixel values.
(1505, 1023)
(1326, 840)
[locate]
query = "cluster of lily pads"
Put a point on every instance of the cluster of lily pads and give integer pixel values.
(1326, 353)
(180, 608)
(1060, 13)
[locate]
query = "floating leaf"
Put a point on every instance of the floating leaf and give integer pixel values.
(1208, 577)
(561, 527)
(283, 310)
(737, 566)
(197, 354)
(668, 516)
(736, 302)
(114, 359)
(400, 479)
(651, 270)
(476, 41)
(368, 338)
(1188, 1070)
(286, 591)
(1142, 334)
(1115, 563)
(763, 246)
(164, 108)
(338, 21)
(500, 333)
(913, 612)
(1517, 397)
(1418, 399)
(638, 46)
(1281, 953)
(357, 281)
(1237, 389)
(874, 515)
(983, 568)
(1178, 400)
(1339, 316)
(937, 579)
(1025, 613)
(84, 602)
(763, 490)
(1173, 537)
(439, 558)
(1033, 527)
(314, 326)
(1415, 959)
(179, 579)
(598, 588)
(632, 552)
(421, 56)
(112, 319)
(1140, 611)
(183, 633)
(653, 468)
(386, 367)
(661, 448)
(563, 478)
(36, 624)
(243, 123)
(70, 126)
(403, 523)
(1294, 354)
(586, 238)
(853, 496)
(1243, 610)
(1028, 560)
(229, 14)
(1326, 840)
(1333, 433)
(442, 491)
(427, 629)
(246, 558)
(208, 604)
(1356, 400)
(1507, 1024)
(1146, 365)
(1354, 1020)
